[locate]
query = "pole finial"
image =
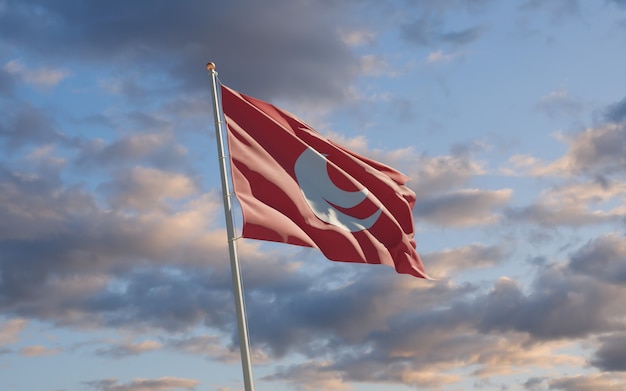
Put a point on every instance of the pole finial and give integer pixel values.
(210, 66)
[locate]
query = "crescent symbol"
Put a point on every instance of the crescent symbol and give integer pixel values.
(321, 194)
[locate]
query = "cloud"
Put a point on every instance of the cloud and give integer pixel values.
(428, 29)
(311, 376)
(598, 151)
(374, 65)
(559, 104)
(463, 37)
(574, 204)
(593, 382)
(182, 39)
(213, 347)
(158, 149)
(492, 332)
(440, 57)
(462, 208)
(616, 112)
(560, 306)
(146, 188)
(611, 356)
(41, 78)
(458, 260)
(441, 173)
(160, 384)
(602, 258)
(358, 37)
(25, 124)
(61, 249)
(129, 349)
(316, 320)
(392, 358)
(10, 330)
(37, 350)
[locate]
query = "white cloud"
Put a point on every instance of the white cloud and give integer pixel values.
(374, 65)
(439, 56)
(358, 37)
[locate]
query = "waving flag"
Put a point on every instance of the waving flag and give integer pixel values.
(296, 186)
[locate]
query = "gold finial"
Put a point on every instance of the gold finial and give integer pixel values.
(210, 66)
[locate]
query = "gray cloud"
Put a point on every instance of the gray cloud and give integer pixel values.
(145, 188)
(599, 150)
(128, 349)
(160, 384)
(594, 382)
(461, 259)
(463, 37)
(596, 152)
(441, 174)
(603, 258)
(25, 124)
(574, 204)
(161, 300)
(462, 208)
(617, 111)
(157, 149)
(427, 25)
(312, 321)
(61, 252)
(428, 30)
(552, 216)
(183, 38)
(560, 306)
(534, 383)
(611, 356)
(559, 104)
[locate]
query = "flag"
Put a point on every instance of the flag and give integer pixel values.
(296, 186)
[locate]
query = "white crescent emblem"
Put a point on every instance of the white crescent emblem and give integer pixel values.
(321, 194)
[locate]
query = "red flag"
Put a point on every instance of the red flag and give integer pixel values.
(296, 186)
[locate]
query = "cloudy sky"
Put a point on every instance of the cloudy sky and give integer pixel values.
(510, 118)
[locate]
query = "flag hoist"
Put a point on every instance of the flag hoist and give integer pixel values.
(242, 324)
(296, 186)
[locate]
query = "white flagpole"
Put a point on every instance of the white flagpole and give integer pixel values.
(242, 325)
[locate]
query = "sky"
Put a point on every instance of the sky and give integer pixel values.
(510, 118)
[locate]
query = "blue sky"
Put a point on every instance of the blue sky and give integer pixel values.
(510, 118)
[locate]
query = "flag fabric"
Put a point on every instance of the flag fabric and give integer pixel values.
(296, 186)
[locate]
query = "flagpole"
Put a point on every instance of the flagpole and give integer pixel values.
(242, 326)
